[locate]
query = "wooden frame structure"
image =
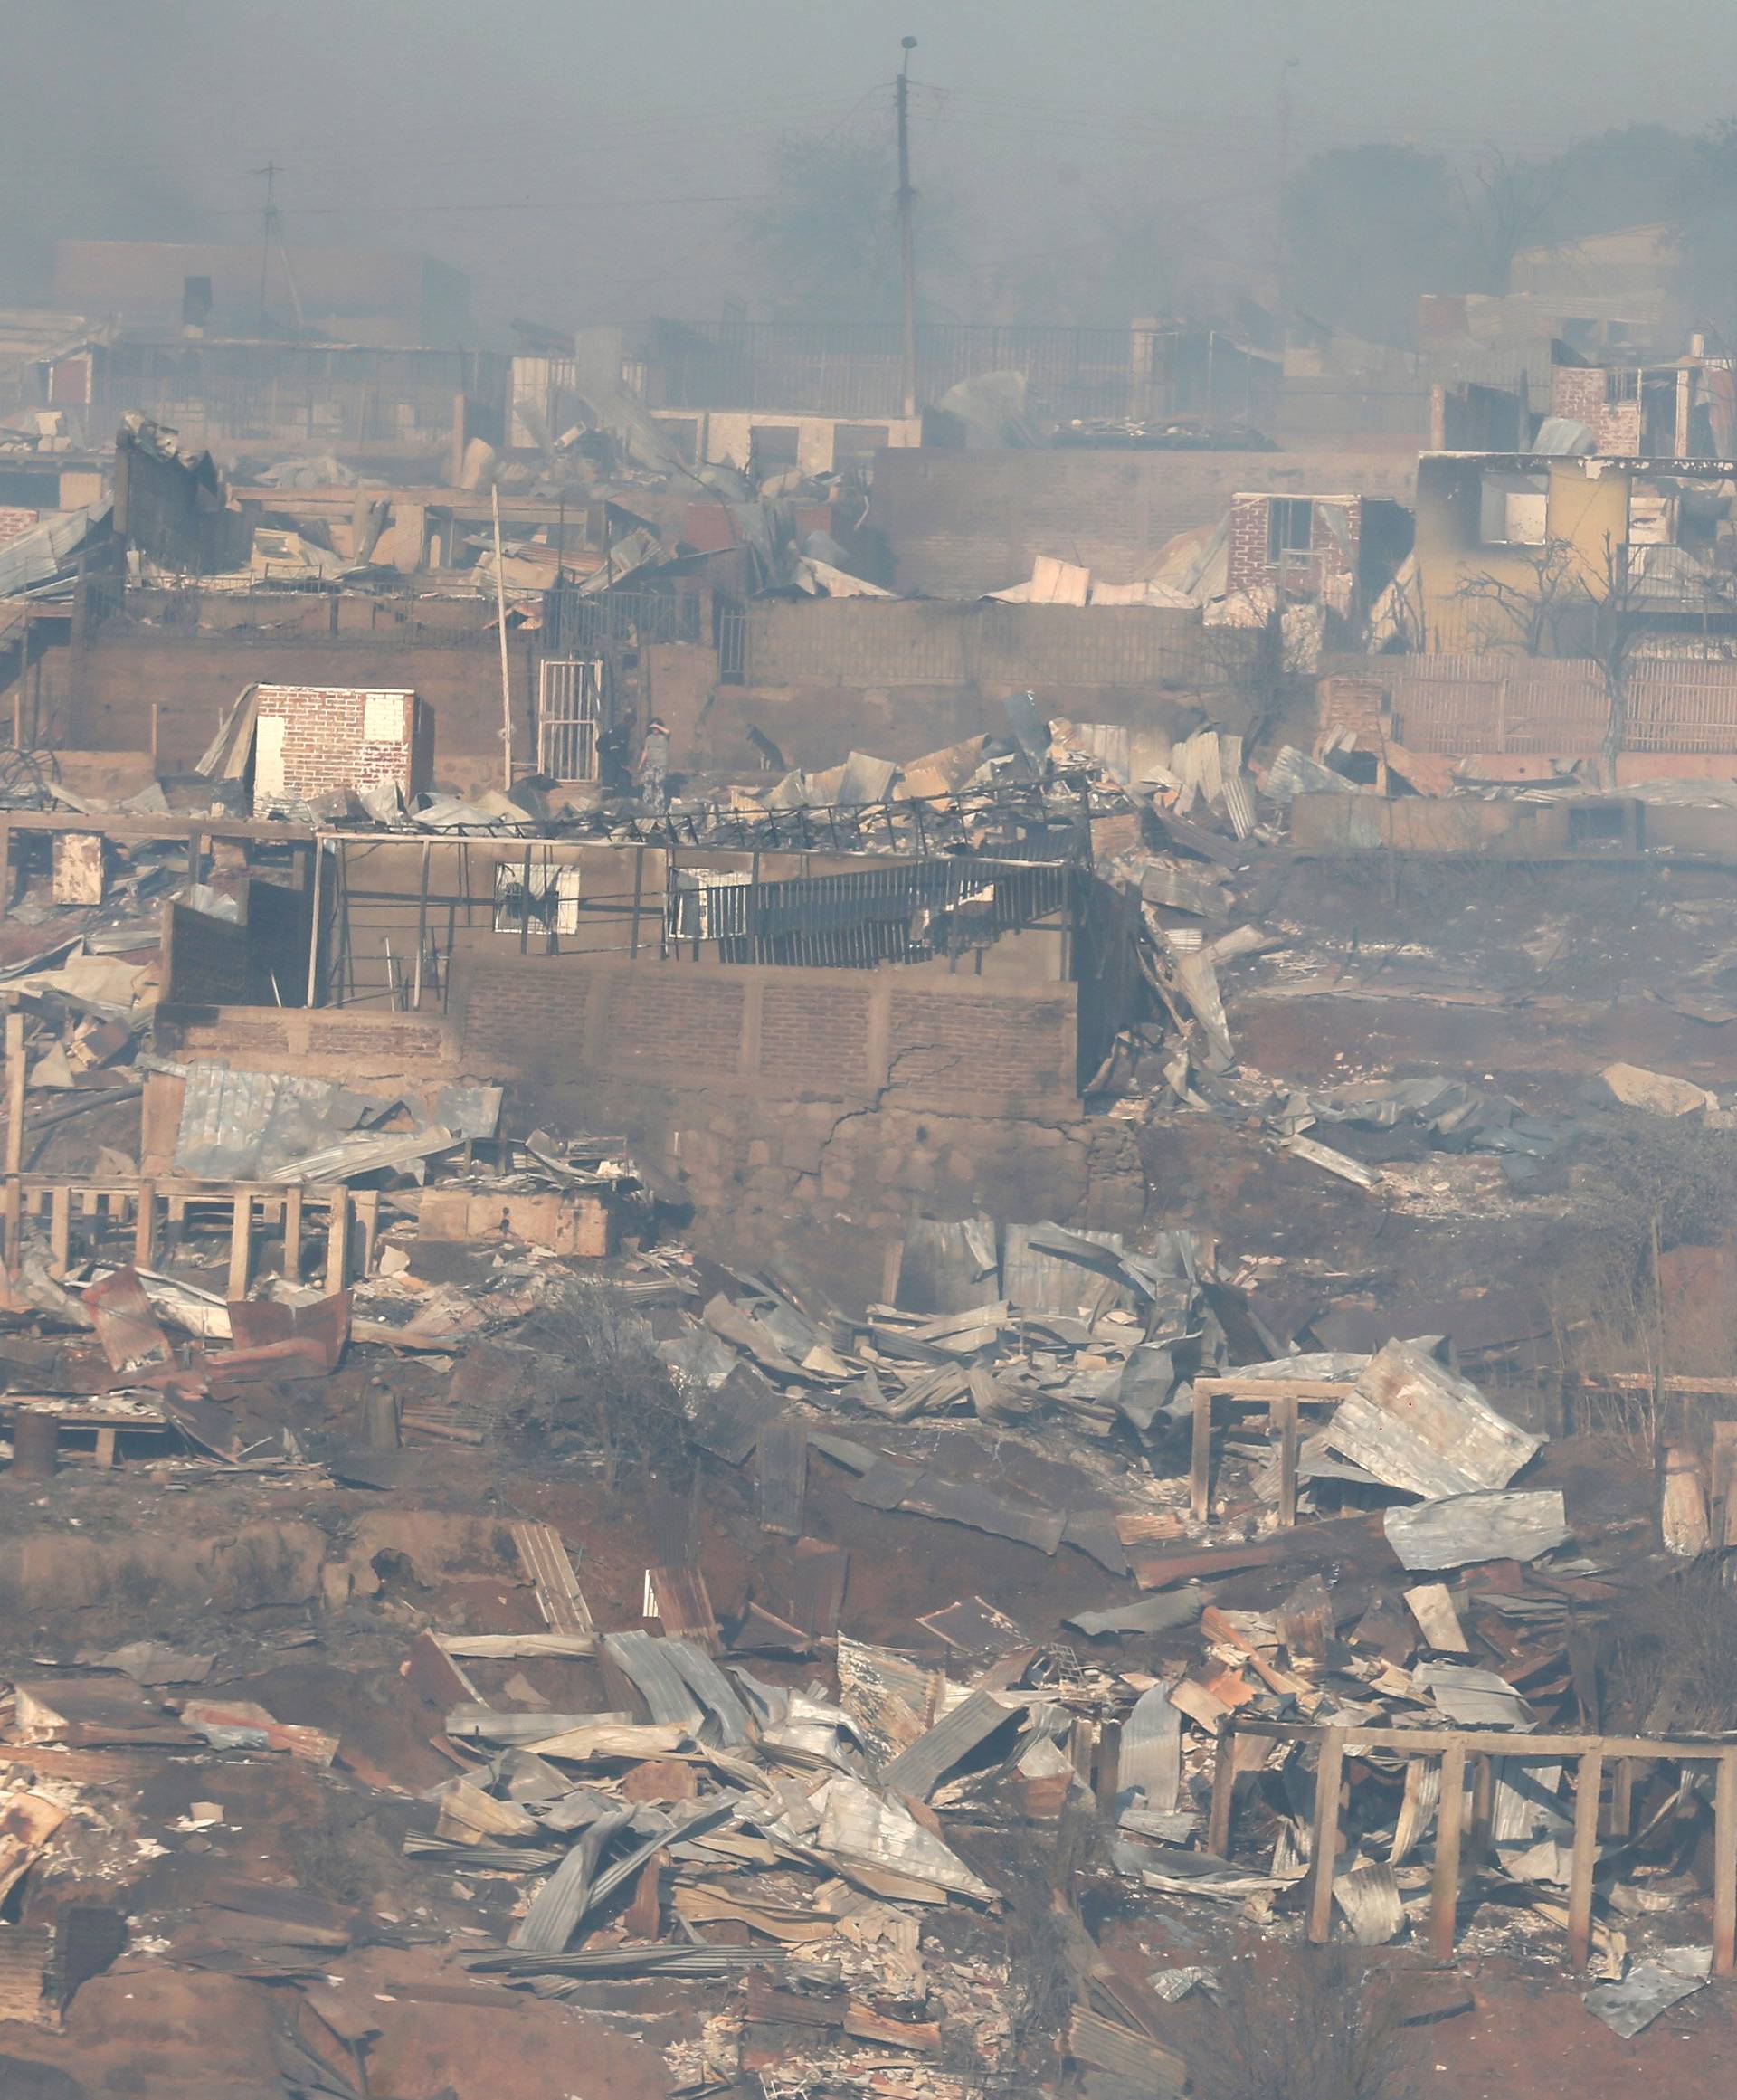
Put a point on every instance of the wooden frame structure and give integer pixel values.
(107, 1424)
(350, 1215)
(1282, 1396)
(1482, 1749)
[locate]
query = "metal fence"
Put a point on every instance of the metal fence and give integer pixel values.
(897, 914)
(581, 623)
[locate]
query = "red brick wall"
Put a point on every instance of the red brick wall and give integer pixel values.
(1581, 391)
(327, 745)
(969, 1043)
(1248, 566)
(14, 522)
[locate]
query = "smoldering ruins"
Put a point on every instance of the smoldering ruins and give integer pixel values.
(867, 1210)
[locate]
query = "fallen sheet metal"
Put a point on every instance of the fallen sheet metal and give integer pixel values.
(1151, 1756)
(651, 1670)
(1463, 1529)
(920, 1769)
(858, 1828)
(557, 1908)
(1415, 1424)
(125, 1326)
(1471, 1697)
(1650, 1987)
(1432, 1606)
(890, 1486)
(1370, 1897)
(1155, 1614)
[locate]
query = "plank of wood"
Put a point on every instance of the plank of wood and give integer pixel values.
(1327, 1776)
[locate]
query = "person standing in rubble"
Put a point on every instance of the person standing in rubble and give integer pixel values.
(653, 769)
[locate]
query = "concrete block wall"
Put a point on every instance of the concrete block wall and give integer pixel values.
(958, 523)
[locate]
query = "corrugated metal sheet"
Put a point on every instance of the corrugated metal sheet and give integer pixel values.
(1469, 1528)
(47, 551)
(1151, 1755)
(920, 1769)
(729, 1723)
(646, 1661)
(1038, 1281)
(1416, 1425)
(563, 1898)
(237, 1126)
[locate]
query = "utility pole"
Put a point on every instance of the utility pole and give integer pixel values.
(268, 232)
(907, 250)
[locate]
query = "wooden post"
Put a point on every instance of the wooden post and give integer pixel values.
(12, 1198)
(422, 926)
(1588, 1782)
(1444, 1893)
(337, 1240)
(144, 1225)
(1224, 1792)
(241, 1243)
(1325, 1848)
(1620, 1820)
(1284, 1421)
(367, 1215)
(1200, 1462)
(292, 1232)
(60, 1230)
(316, 856)
(1483, 1806)
(1725, 1865)
(15, 1075)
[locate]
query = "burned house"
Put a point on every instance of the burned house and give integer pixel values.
(1339, 552)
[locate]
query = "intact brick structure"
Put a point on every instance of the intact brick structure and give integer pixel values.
(312, 741)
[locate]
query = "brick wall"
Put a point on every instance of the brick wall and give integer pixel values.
(311, 741)
(368, 1050)
(978, 1045)
(191, 679)
(957, 523)
(879, 641)
(1332, 554)
(1581, 391)
(14, 522)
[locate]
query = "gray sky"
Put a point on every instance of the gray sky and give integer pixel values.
(584, 161)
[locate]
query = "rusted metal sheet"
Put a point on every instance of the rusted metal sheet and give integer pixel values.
(125, 1326)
